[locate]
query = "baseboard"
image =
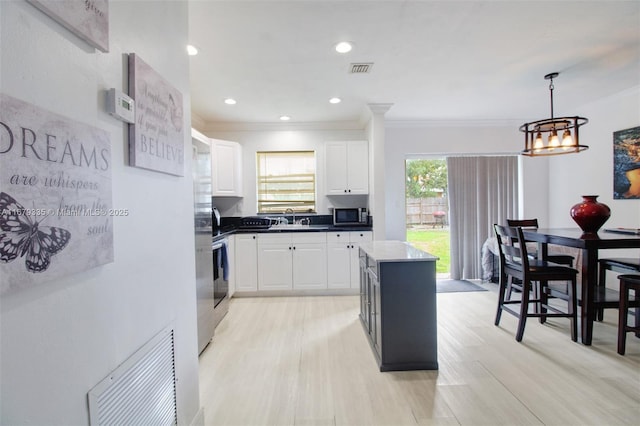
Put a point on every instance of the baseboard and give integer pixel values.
(198, 419)
(280, 293)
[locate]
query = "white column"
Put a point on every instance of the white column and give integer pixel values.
(377, 167)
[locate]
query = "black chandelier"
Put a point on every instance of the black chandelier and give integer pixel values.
(536, 145)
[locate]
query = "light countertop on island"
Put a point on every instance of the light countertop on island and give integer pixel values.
(395, 251)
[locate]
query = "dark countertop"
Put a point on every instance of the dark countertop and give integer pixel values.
(227, 231)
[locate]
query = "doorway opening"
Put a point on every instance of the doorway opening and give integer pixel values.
(427, 209)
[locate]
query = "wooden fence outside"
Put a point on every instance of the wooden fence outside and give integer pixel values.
(420, 211)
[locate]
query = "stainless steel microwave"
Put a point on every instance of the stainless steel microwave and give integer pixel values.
(350, 216)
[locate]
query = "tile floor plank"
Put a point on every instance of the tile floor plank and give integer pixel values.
(306, 361)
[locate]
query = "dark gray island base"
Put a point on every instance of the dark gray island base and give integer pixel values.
(398, 305)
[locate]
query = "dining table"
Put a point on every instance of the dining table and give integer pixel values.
(589, 244)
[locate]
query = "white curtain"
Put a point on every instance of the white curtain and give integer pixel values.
(482, 191)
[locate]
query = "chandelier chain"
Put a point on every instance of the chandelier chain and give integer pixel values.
(551, 87)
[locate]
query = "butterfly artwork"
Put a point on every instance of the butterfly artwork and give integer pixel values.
(21, 236)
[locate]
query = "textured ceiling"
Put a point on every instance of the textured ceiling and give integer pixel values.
(433, 60)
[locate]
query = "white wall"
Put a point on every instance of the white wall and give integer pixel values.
(550, 185)
(253, 141)
(61, 338)
(403, 141)
(591, 172)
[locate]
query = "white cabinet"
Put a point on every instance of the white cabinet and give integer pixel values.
(226, 168)
(309, 266)
(246, 262)
(275, 262)
(342, 258)
(347, 168)
(289, 261)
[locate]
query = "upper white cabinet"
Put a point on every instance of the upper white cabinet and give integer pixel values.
(347, 167)
(226, 168)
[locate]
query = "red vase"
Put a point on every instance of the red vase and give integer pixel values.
(590, 215)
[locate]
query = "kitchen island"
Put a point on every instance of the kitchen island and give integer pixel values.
(398, 305)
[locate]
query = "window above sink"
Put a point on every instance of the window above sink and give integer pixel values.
(286, 180)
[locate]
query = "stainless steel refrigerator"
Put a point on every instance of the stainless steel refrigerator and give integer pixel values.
(201, 156)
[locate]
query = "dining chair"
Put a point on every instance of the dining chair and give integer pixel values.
(515, 262)
(558, 258)
(627, 282)
(563, 259)
(604, 299)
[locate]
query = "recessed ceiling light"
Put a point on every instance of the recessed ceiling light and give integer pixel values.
(335, 100)
(285, 118)
(230, 101)
(192, 50)
(344, 47)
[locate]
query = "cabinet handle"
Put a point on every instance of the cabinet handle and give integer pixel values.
(294, 248)
(289, 248)
(349, 190)
(254, 237)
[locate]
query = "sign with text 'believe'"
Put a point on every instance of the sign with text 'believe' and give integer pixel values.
(156, 140)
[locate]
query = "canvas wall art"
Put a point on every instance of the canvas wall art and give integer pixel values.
(626, 164)
(88, 19)
(156, 140)
(56, 213)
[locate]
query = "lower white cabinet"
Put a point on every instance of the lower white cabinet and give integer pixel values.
(342, 258)
(246, 261)
(288, 261)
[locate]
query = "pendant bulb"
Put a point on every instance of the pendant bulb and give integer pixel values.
(538, 144)
(554, 142)
(567, 139)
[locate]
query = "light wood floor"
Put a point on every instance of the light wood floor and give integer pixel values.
(306, 361)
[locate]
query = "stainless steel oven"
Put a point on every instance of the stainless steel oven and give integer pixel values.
(220, 280)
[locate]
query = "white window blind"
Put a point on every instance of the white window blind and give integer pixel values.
(286, 180)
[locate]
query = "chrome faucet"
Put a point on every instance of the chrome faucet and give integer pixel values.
(293, 214)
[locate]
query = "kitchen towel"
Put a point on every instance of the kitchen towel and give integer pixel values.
(224, 261)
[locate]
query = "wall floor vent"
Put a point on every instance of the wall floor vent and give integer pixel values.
(142, 390)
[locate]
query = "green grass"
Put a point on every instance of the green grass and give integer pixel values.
(433, 241)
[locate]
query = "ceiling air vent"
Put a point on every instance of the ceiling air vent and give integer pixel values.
(361, 68)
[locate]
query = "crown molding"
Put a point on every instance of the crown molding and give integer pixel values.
(398, 124)
(274, 127)
(234, 126)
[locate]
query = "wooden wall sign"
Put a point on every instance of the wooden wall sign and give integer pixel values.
(56, 213)
(88, 19)
(156, 140)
